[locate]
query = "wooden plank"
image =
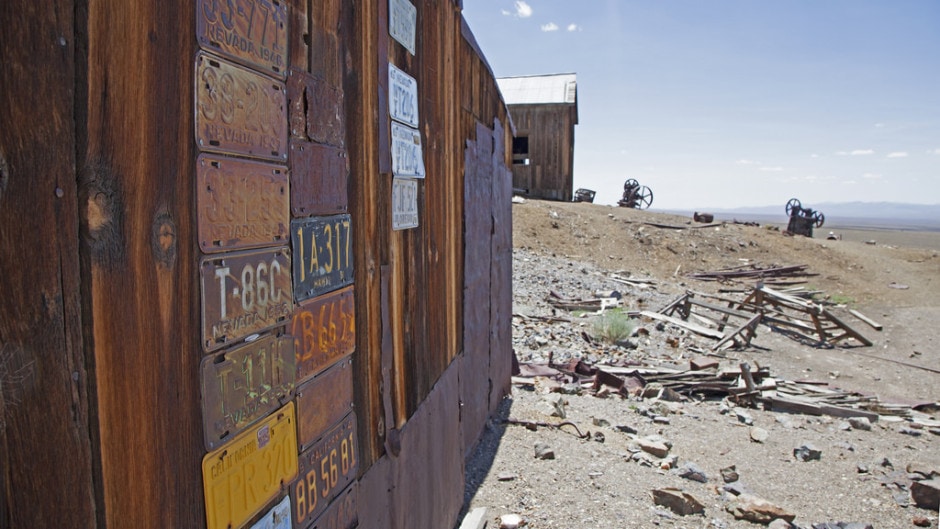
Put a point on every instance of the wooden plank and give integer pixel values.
(792, 405)
(45, 448)
(711, 333)
(872, 323)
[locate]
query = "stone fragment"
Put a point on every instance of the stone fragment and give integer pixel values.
(842, 525)
(779, 523)
(758, 434)
(600, 422)
(653, 446)
(927, 471)
(659, 419)
(910, 431)
(926, 494)
(693, 472)
(699, 363)
(860, 423)
(510, 521)
(554, 405)
(651, 391)
(807, 452)
(729, 474)
(506, 476)
(543, 451)
(921, 521)
(627, 429)
(758, 510)
(678, 501)
(744, 417)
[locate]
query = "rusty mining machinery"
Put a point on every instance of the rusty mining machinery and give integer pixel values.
(802, 220)
(635, 196)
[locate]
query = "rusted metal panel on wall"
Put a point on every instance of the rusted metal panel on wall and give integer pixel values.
(242, 204)
(319, 175)
(323, 401)
(252, 32)
(324, 331)
(500, 346)
(316, 109)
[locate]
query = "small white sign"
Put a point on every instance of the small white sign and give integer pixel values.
(402, 21)
(407, 157)
(277, 518)
(404, 203)
(402, 96)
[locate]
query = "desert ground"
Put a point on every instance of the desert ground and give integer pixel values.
(601, 475)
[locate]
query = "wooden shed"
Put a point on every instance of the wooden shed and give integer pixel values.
(256, 262)
(544, 110)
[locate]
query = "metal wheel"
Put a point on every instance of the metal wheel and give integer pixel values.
(791, 205)
(644, 197)
(630, 183)
(819, 219)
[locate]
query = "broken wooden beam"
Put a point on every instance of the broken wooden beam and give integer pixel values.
(697, 329)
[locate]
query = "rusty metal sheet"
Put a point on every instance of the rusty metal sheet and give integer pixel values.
(323, 401)
(402, 96)
(243, 475)
(244, 293)
(343, 513)
(326, 468)
(324, 331)
(252, 32)
(404, 203)
(407, 157)
(319, 176)
(241, 203)
(239, 111)
(277, 518)
(316, 109)
(402, 23)
(323, 258)
(244, 384)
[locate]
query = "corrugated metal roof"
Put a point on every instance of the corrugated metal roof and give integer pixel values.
(539, 89)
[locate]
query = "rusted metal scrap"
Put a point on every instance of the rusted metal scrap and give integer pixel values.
(635, 196)
(802, 219)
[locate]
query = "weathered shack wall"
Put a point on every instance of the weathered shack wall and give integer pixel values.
(550, 133)
(202, 265)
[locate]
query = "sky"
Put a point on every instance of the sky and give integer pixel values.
(737, 103)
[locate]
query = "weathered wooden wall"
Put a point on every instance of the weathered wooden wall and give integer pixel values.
(550, 129)
(102, 343)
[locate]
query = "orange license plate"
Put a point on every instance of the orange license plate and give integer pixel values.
(245, 474)
(326, 469)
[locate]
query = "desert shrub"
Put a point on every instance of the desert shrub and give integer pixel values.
(613, 326)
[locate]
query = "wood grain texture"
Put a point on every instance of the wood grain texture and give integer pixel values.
(141, 280)
(45, 452)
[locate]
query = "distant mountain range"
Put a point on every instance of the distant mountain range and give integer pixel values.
(845, 214)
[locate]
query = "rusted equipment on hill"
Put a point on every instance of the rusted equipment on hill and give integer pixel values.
(803, 219)
(584, 195)
(635, 196)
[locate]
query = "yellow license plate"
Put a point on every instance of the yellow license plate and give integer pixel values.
(245, 474)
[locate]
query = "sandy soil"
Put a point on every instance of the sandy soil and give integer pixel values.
(572, 248)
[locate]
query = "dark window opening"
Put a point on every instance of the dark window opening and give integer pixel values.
(520, 150)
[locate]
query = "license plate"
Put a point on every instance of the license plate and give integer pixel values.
(319, 174)
(277, 518)
(402, 97)
(324, 331)
(253, 32)
(239, 111)
(403, 22)
(404, 203)
(407, 157)
(343, 513)
(325, 469)
(242, 204)
(246, 473)
(323, 258)
(323, 401)
(244, 293)
(244, 384)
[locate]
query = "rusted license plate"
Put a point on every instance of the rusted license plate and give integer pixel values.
(325, 469)
(244, 384)
(323, 258)
(244, 293)
(324, 331)
(242, 204)
(316, 109)
(323, 401)
(253, 32)
(402, 96)
(407, 158)
(239, 111)
(277, 518)
(343, 513)
(404, 203)
(319, 175)
(246, 473)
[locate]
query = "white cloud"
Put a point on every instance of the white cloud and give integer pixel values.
(772, 169)
(523, 10)
(856, 152)
(574, 27)
(879, 125)
(935, 151)
(551, 26)
(849, 182)
(872, 176)
(814, 155)
(899, 154)
(745, 161)
(506, 13)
